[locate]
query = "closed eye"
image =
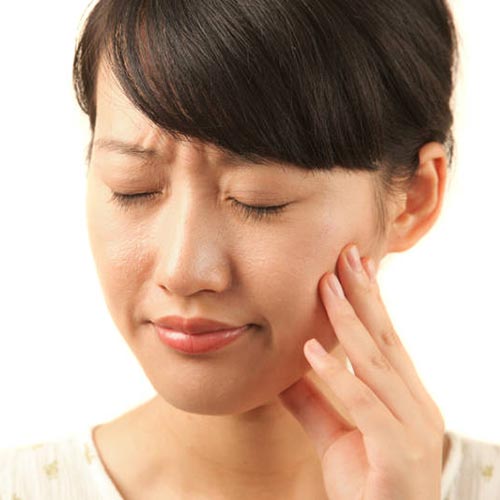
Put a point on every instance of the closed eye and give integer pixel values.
(249, 211)
(258, 212)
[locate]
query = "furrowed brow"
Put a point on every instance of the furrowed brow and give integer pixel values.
(229, 158)
(126, 148)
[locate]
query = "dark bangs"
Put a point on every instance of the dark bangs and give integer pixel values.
(315, 83)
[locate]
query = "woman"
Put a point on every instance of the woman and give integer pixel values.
(252, 163)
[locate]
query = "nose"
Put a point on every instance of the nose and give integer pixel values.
(192, 254)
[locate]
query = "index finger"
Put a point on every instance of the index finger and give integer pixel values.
(364, 295)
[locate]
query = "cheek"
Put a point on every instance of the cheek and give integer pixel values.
(282, 275)
(289, 270)
(119, 251)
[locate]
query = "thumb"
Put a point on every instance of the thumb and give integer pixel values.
(320, 420)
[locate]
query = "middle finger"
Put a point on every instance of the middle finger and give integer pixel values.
(364, 295)
(369, 363)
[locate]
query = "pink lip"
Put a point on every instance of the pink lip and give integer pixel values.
(193, 326)
(199, 343)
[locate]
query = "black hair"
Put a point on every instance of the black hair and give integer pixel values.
(355, 84)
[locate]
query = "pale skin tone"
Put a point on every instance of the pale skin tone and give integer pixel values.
(240, 423)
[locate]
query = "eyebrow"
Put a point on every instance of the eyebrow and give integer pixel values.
(122, 147)
(229, 158)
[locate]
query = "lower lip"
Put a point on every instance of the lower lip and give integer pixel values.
(200, 343)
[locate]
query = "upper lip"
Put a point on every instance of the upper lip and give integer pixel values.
(193, 325)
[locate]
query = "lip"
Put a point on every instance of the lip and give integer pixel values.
(199, 343)
(193, 326)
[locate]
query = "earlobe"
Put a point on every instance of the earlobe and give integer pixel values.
(420, 207)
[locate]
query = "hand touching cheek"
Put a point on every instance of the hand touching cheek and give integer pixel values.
(395, 450)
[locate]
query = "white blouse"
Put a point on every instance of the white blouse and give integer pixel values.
(70, 469)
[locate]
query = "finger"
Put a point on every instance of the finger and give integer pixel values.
(372, 417)
(322, 423)
(368, 362)
(364, 295)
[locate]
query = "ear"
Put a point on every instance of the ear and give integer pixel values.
(418, 209)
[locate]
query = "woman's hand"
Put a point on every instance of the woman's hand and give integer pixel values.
(395, 450)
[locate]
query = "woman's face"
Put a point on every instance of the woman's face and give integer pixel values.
(189, 251)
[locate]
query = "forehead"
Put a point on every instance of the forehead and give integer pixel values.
(115, 112)
(122, 129)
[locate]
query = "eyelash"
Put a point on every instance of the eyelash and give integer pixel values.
(249, 211)
(258, 213)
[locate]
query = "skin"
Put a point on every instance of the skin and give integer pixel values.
(239, 422)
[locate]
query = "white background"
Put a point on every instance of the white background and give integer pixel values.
(64, 365)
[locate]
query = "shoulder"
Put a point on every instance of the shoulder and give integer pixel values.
(472, 469)
(51, 469)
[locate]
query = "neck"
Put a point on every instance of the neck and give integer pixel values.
(263, 450)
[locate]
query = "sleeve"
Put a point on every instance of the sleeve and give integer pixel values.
(479, 474)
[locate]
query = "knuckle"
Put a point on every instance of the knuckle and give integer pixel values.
(346, 316)
(380, 362)
(415, 452)
(364, 398)
(335, 367)
(417, 455)
(366, 288)
(390, 338)
(423, 445)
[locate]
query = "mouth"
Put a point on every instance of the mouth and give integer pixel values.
(200, 342)
(194, 326)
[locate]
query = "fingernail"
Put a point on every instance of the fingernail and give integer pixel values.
(315, 348)
(335, 286)
(354, 259)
